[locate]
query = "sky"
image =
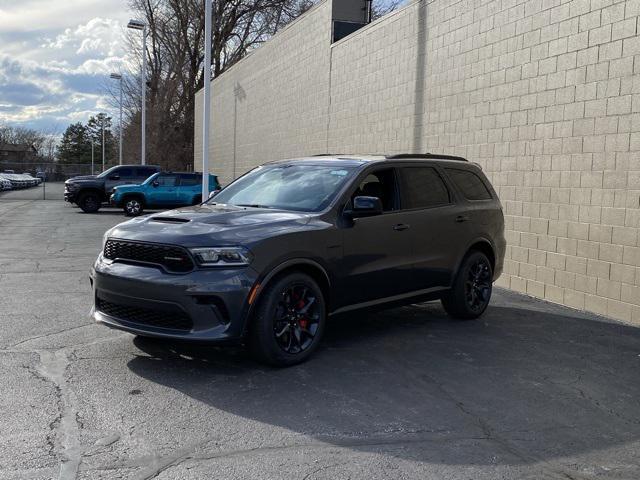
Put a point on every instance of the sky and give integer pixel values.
(55, 60)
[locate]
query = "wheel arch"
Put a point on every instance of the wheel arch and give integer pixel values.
(304, 265)
(485, 247)
(138, 195)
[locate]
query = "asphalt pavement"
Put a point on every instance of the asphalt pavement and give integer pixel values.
(530, 391)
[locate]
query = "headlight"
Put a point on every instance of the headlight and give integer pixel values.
(222, 256)
(71, 186)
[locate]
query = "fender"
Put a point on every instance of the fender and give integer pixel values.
(468, 247)
(258, 287)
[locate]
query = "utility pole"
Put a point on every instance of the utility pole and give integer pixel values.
(117, 76)
(141, 25)
(206, 107)
(92, 156)
(103, 142)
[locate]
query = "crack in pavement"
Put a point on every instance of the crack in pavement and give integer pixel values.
(52, 368)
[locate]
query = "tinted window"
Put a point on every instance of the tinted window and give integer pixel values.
(167, 180)
(124, 172)
(145, 172)
(380, 184)
(423, 188)
(470, 184)
(190, 180)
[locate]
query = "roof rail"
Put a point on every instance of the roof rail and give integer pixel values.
(426, 156)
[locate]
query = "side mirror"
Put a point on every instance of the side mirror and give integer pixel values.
(214, 193)
(366, 207)
(156, 183)
(114, 177)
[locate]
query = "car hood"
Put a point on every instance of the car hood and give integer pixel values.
(210, 225)
(126, 188)
(80, 178)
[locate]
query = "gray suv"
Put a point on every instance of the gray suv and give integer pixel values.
(271, 256)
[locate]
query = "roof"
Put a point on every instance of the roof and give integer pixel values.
(17, 147)
(369, 158)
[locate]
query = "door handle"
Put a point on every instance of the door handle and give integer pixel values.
(400, 227)
(461, 218)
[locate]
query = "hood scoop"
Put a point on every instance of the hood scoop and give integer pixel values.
(170, 220)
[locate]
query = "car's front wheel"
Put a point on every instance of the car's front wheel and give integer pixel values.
(289, 321)
(89, 202)
(133, 207)
(471, 291)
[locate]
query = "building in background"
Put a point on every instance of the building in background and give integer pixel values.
(17, 153)
(543, 94)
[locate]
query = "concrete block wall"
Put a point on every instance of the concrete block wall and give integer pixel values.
(544, 94)
(273, 104)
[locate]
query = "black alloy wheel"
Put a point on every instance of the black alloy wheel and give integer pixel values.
(89, 203)
(471, 291)
(477, 287)
(289, 320)
(296, 319)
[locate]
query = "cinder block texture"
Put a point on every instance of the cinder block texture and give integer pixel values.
(545, 95)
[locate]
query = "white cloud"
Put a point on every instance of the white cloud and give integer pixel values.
(55, 58)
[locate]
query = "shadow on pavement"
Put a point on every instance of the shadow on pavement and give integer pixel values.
(518, 386)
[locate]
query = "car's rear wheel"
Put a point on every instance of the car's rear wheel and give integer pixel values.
(289, 321)
(471, 292)
(89, 202)
(133, 207)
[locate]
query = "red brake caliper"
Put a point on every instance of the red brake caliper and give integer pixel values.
(303, 322)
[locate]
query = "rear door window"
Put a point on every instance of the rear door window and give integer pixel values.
(167, 180)
(124, 172)
(470, 184)
(422, 187)
(190, 180)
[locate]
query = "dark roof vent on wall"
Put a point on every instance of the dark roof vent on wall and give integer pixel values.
(348, 16)
(344, 29)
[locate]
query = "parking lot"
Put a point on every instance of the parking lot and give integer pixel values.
(531, 391)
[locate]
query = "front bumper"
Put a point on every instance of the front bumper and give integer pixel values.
(209, 305)
(114, 202)
(69, 195)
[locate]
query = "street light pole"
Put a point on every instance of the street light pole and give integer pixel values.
(141, 25)
(92, 156)
(117, 76)
(206, 107)
(103, 142)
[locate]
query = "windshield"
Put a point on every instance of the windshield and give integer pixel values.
(306, 188)
(150, 179)
(107, 172)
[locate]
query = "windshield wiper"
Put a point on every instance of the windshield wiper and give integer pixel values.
(252, 205)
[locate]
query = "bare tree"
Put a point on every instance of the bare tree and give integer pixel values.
(175, 58)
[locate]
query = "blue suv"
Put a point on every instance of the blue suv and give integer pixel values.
(162, 191)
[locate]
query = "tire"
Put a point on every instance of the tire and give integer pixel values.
(471, 292)
(89, 202)
(289, 321)
(133, 206)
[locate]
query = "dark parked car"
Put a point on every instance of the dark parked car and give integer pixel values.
(90, 192)
(267, 259)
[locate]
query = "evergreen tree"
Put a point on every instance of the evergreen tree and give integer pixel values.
(75, 146)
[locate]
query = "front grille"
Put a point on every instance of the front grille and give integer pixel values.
(174, 259)
(175, 320)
